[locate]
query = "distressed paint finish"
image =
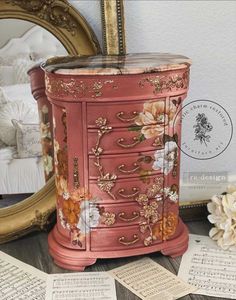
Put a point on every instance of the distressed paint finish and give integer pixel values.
(122, 130)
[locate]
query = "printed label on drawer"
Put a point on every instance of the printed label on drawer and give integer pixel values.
(123, 238)
(128, 165)
(126, 214)
(124, 114)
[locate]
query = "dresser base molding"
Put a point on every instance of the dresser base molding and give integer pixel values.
(73, 259)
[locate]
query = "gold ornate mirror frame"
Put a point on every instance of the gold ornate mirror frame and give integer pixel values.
(72, 30)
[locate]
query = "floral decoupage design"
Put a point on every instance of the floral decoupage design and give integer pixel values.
(78, 210)
(151, 123)
(46, 140)
(74, 210)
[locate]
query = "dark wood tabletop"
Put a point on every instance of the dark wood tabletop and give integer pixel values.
(33, 250)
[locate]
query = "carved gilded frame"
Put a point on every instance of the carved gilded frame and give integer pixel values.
(66, 23)
(113, 27)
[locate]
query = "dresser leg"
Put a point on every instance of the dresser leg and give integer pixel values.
(178, 245)
(67, 258)
(77, 265)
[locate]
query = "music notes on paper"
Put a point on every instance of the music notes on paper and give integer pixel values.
(150, 281)
(82, 286)
(209, 268)
(19, 281)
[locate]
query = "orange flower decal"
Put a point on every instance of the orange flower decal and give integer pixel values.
(154, 117)
(80, 194)
(166, 228)
(71, 210)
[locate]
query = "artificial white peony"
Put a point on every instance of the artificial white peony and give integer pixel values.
(222, 210)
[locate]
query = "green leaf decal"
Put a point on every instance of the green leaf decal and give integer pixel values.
(142, 138)
(135, 128)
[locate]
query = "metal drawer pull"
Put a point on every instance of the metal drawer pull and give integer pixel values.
(121, 168)
(127, 243)
(135, 190)
(122, 217)
(121, 140)
(120, 115)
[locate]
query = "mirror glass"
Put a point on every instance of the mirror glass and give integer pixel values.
(22, 173)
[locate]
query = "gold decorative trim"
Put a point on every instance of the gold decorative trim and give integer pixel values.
(76, 173)
(149, 211)
(57, 16)
(122, 216)
(113, 27)
(120, 116)
(108, 218)
(166, 83)
(28, 215)
(76, 88)
(107, 181)
(122, 240)
(54, 12)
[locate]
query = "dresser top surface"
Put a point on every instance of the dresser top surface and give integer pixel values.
(138, 63)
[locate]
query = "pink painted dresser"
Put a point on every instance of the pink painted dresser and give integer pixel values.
(117, 130)
(37, 83)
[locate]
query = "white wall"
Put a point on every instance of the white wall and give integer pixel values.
(205, 31)
(91, 10)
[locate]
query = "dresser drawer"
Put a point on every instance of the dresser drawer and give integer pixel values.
(124, 214)
(122, 141)
(124, 189)
(126, 165)
(121, 238)
(117, 114)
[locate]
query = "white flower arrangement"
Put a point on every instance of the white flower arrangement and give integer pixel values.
(222, 210)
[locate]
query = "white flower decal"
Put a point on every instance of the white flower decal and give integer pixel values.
(173, 196)
(222, 210)
(164, 158)
(89, 217)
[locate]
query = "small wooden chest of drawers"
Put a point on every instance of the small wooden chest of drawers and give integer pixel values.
(117, 130)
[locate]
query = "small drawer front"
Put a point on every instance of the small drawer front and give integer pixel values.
(118, 114)
(122, 141)
(127, 165)
(123, 214)
(124, 189)
(121, 238)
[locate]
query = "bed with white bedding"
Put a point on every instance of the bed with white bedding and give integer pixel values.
(20, 176)
(21, 165)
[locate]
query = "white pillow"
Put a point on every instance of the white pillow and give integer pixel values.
(21, 67)
(7, 76)
(27, 139)
(16, 92)
(20, 111)
(9, 60)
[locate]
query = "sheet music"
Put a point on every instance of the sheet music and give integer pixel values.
(19, 281)
(82, 286)
(150, 281)
(209, 268)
